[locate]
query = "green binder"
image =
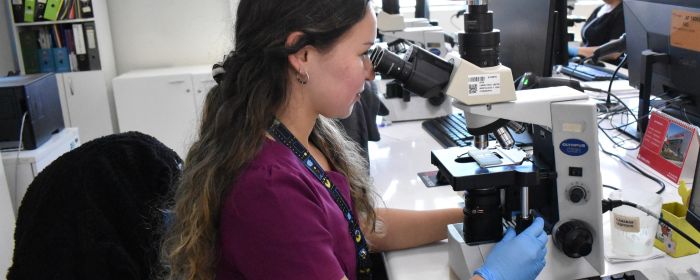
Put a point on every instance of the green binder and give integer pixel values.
(52, 8)
(29, 6)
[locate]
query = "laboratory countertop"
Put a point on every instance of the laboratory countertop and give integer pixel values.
(404, 150)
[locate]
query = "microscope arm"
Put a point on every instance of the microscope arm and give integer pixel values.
(531, 106)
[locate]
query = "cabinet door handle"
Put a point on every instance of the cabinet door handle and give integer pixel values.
(70, 86)
(176, 82)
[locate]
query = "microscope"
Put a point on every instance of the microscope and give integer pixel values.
(399, 33)
(503, 185)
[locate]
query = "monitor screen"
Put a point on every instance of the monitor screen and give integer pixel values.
(693, 215)
(669, 29)
(533, 34)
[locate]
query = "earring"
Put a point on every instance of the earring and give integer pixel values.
(302, 79)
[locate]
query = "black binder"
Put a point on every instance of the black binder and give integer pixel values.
(18, 10)
(86, 8)
(80, 47)
(93, 52)
(39, 10)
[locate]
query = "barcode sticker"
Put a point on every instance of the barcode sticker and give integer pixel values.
(486, 84)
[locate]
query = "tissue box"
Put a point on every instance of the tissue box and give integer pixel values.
(668, 240)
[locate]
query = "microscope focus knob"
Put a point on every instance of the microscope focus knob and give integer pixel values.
(574, 238)
(576, 194)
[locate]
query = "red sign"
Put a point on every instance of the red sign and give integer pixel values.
(665, 145)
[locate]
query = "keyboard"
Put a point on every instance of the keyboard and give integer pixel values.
(588, 73)
(451, 131)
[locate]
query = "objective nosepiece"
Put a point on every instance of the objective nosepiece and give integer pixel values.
(481, 142)
(504, 138)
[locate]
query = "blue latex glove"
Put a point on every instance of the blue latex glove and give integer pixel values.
(517, 257)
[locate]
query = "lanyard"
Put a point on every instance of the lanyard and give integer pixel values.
(280, 132)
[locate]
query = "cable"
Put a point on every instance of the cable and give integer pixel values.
(452, 21)
(609, 204)
(19, 149)
(632, 166)
(611, 187)
(612, 78)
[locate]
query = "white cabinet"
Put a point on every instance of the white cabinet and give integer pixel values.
(85, 103)
(22, 167)
(164, 103)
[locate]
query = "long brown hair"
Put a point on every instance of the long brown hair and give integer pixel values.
(236, 115)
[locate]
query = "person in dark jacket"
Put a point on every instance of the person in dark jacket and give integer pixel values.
(606, 23)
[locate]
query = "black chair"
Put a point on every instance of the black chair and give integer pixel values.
(95, 212)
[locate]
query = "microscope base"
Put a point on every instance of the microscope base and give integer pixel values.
(464, 259)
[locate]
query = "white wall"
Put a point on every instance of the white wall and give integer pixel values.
(7, 60)
(165, 33)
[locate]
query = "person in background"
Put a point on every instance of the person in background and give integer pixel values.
(272, 188)
(606, 22)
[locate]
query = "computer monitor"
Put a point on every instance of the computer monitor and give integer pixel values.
(663, 55)
(693, 215)
(533, 34)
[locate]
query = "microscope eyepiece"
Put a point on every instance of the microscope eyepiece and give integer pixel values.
(390, 64)
(420, 71)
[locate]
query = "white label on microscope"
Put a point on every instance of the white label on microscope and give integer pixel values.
(487, 84)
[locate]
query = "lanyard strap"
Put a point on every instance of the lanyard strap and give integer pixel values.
(282, 134)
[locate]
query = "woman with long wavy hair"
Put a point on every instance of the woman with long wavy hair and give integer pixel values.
(272, 188)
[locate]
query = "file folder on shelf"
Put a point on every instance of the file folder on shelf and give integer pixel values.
(65, 8)
(29, 6)
(85, 8)
(18, 10)
(80, 50)
(91, 42)
(61, 59)
(46, 60)
(40, 7)
(52, 9)
(30, 50)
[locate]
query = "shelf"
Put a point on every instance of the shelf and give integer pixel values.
(42, 23)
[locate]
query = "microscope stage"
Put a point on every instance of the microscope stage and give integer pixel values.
(468, 167)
